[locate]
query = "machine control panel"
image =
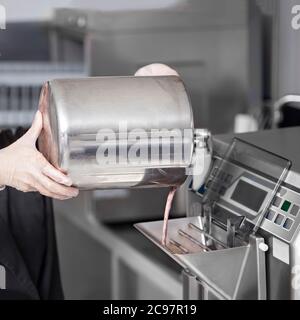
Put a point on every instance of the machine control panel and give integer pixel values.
(284, 212)
(246, 194)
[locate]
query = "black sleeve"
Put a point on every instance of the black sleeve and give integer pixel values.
(28, 241)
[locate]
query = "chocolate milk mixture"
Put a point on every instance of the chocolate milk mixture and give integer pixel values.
(166, 215)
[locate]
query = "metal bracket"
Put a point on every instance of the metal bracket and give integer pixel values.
(202, 157)
(280, 103)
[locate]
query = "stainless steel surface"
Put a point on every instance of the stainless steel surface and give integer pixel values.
(208, 261)
(119, 108)
(153, 231)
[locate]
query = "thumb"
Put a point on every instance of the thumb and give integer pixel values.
(33, 133)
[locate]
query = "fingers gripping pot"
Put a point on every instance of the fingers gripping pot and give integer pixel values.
(121, 132)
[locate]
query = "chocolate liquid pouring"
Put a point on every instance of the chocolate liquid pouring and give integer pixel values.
(166, 215)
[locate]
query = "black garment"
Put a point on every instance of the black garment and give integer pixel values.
(27, 242)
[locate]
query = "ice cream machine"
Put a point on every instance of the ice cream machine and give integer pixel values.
(240, 239)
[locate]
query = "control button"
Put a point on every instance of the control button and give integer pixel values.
(285, 206)
(270, 215)
(277, 202)
(279, 219)
(228, 178)
(282, 191)
(294, 210)
(288, 223)
(263, 247)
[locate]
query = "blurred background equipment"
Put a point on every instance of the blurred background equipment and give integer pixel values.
(20, 86)
(214, 45)
(26, 62)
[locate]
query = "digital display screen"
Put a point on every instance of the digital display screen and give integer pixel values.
(249, 195)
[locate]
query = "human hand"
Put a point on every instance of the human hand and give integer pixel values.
(23, 167)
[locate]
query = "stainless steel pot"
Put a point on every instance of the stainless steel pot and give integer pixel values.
(118, 132)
